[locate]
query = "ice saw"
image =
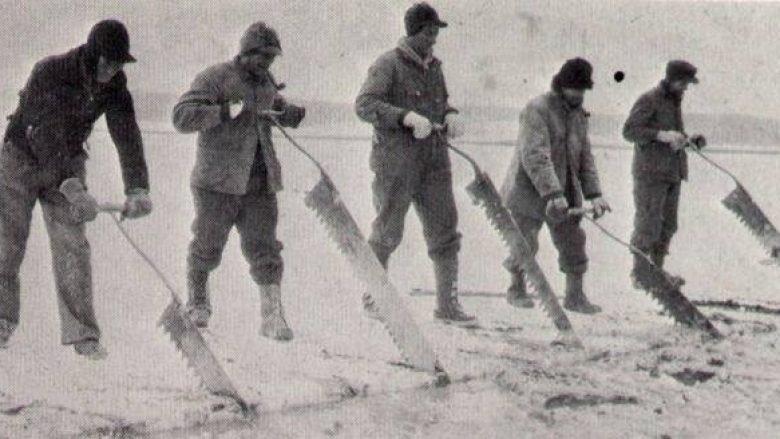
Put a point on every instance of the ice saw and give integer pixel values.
(483, 193)
(325, 200)
(174, 320)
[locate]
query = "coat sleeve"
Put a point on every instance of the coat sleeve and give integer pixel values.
(637, 127)
(535, 154)
(123, 127)
(292, 115)
(372, 104)
(591, 187)
(200, 108)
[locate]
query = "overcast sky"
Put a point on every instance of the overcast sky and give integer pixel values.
(495, 52)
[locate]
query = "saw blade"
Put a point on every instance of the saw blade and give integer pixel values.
(189, 341)
(673, 301)
(325, 201)
(741, 203)
(484, 193)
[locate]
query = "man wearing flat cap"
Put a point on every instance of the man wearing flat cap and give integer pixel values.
(553, 170)
(42, 148)
(236, 174)
(405, 98)
(655, 126)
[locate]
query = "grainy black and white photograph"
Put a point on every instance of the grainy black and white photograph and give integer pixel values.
(389, 219)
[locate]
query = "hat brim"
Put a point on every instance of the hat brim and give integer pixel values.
(440, 23)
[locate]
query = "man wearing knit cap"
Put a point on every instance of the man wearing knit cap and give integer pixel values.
(655, 125)
(404, 97)
(551, 171)
(42, 148)
(236, 174)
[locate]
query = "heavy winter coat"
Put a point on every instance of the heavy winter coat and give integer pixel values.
(58, 108)
(226, 147)
(397, 83)
(552, 136)
(656, 110)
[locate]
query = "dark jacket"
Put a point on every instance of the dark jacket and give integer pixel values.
(398, 82)
(657, 110)
(553, 150)
(58, 108)
(226, 147)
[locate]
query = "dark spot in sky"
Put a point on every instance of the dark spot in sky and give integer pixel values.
(619, 76)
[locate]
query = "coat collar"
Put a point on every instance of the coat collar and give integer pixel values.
(410, 54)
(559, 104)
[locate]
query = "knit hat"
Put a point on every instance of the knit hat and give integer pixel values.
(259, 37)
(575, 73)
(420, 15)
(679, 70)
(109, 39)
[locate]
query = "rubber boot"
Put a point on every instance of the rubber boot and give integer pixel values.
(516, 294)
(575, 297)
(448, 306)
(199, 303)
(274, 325)
(90, 349)
(641, 274)
(658, 258)
(6, 330)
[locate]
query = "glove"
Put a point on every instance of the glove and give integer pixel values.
(600, 207)
(137, 203)
(557, 209)
(675, 139)
(235, 108)
(698, 141)
(82, 207)
(455, 126)
(420, 125)
(292, 116)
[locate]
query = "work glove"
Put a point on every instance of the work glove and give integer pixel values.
(698, 141)
(420, 125)
(600, 207)
(82, 207)
(455, 126)
(292, 116)
(137, 203)
(235, 108)
(557, 209)
(675, 139)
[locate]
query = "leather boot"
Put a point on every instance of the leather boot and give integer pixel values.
(448, 306)
(575, 296)
(274, 325)
(516, 294)
(199, 303)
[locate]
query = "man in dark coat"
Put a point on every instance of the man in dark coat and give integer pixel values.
(403, 97)
(655, 125)
(42, 147)
(551, 171)
(236, 174)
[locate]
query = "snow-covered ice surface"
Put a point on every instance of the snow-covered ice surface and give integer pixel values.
(338, 378)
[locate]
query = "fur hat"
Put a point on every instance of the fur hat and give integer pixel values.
(259, 37)
(420, 15)
(575, 73)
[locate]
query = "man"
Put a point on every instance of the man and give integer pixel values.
(42, 148)
(660, 164)
(551, 171)
(404, 97)
(237, 174)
